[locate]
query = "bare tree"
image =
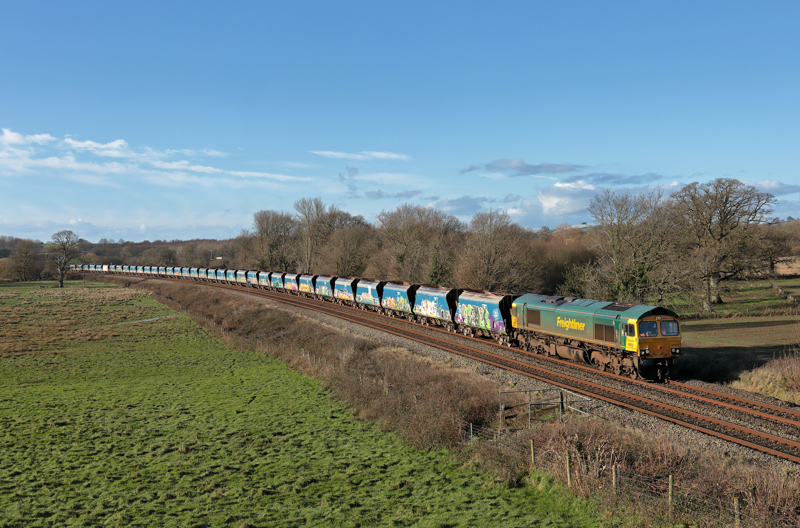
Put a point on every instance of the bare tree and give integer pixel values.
(347, 251)
(411, 237)
(632, 239)
(497, 257)
(26, 258)
(160, 256)
(66, 246)
(310, 212)
(275, 235)
(718, 227)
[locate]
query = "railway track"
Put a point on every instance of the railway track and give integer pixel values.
(763, 427)
(755, 436)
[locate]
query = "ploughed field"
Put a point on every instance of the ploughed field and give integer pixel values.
(116, 410)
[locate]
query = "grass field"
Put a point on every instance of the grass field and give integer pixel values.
(741, 299)
(116, 411)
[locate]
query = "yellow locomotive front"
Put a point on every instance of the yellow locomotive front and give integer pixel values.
(656, 338)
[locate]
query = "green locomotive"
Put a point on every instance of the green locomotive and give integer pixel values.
(619, 337)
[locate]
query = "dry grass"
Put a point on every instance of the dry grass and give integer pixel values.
(33, 320)
(791, 267)
(646, 459)
(423, 401)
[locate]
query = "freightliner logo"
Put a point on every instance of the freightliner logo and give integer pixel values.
(570, 324)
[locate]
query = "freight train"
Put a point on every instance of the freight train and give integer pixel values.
(640, 341)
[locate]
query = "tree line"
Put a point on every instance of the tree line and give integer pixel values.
(641, 247)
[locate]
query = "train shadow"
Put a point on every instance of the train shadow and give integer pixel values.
(724, 364)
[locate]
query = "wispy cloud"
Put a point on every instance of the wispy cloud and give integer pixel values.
(115, 149)
(516, 167)
(21, 154)
(463, 206)
(380, 195)
(621, 180)
(194, 153)
(347, 177)
(361, 156)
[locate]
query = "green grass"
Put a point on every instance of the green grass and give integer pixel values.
(158, 424)
(740, 299)
(790, 286)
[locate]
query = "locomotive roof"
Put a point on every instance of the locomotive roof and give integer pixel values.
(589, 306)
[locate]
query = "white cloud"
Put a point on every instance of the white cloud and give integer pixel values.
(580, 184)
(18, 155)
(14, 138)
(278, 177)
(115, 149)
(565, 198)
(170, 165)
(777, 188)
(361, 156)
(193, 153)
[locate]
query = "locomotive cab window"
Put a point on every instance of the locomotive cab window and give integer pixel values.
(648, 329)
(630, 330)
(534, 317)
(669, 328)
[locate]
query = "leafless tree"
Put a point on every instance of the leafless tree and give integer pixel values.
(310, 213)
(27, 260)
(717, 224)
(632, 239)
(418, 244)
(274, 237)
(347, 251)
(497, 256)
(160, 256)
(65, 247)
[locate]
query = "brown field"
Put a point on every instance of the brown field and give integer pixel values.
(36, 318)
(792, 267)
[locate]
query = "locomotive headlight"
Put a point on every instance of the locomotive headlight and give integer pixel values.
(676, 351)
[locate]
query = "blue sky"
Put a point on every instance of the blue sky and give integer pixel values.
(162, 120)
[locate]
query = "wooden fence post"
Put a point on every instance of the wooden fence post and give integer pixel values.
(569, 472)
(614, 483)
(737, 521)
(671, 484)
(533, 455)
